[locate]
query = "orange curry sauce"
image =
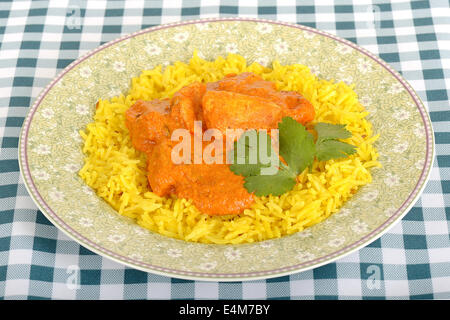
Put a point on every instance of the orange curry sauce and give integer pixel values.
(243, 101)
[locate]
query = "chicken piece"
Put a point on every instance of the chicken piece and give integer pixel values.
(243, 83)
(147, 123)
(187, 104)
(163, 174)
(292, 103)
(230, 110)
(297, 107)
(214, 189)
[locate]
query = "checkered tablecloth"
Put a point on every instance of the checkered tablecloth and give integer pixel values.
(39, 38)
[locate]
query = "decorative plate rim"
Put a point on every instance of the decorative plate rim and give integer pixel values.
(211, 276)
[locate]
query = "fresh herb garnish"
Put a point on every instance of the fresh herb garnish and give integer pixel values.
(327, 145)
(297, 149)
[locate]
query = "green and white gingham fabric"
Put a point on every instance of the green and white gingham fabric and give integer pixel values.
(39, 38)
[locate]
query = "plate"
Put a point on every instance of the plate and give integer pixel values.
(50, 148)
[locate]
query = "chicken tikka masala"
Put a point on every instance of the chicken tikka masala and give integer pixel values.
(243, 101)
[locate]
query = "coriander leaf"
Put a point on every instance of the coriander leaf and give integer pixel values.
(327, 131)
(296, 145)
(327, 145)
(333, 149)
(255, 181)
(276, 184)
(246, 164)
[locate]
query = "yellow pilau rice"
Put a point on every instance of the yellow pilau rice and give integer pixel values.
(117, 172)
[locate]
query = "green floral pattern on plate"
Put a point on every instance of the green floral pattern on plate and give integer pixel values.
(54, 149)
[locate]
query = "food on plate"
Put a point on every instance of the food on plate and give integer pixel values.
(128, 162)
(244, 101)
